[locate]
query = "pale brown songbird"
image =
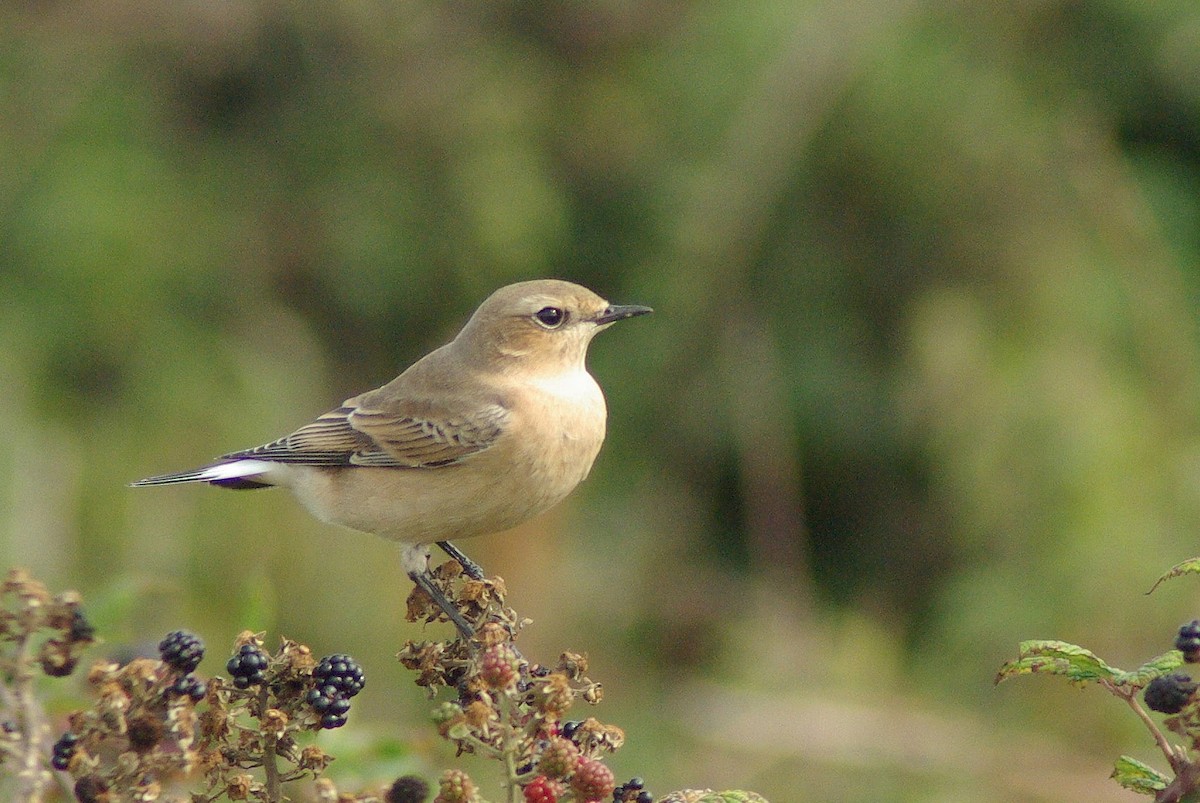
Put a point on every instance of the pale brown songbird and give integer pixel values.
(479, 435)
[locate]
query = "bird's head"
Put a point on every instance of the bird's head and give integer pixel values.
(544, 323)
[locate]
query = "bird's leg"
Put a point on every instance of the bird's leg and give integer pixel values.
(425, 583)
(470, 568)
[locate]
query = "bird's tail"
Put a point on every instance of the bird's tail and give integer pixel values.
(234, 474)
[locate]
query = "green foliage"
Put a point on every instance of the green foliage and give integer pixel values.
(1165, 691)
(1139, 776)
(1081, 666)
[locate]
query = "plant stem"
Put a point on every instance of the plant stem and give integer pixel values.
(270, 760)
(32, 726)
(1174, 757)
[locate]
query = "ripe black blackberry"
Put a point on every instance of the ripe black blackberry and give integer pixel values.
(330, 704)
(1168, 694)
(63, 749)
(342, 673)
(80, 629)
(1188, 641)
(188, 686)
(181, 650)
(632, 791)
(247, 666)
(407, 789)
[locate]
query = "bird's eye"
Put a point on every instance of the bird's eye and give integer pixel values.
(550, 317)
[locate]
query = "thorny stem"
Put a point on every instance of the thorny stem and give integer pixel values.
(32, 725)
(510, 753)
(270, 763)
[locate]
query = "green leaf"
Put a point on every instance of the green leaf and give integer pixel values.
(1077, 664)
(1138, 776)
(1155, 667)
(1190, 566)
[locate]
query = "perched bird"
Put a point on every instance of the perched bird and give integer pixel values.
(477, 436)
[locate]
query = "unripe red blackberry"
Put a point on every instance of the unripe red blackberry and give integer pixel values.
(592, 780)
(559, 758)
(542, 790)
(455, 786)
(1168, 694)
(500, 666)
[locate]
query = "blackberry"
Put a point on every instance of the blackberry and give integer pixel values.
(1168, 694)
(541, 790)
(342, 673)
(407, 789)
(188, 686)
(247, 666)
(80, 629)
(63, 749)
(592, 780)
(1188, 641)
(181, 650)
(632, 791)
(330, 704)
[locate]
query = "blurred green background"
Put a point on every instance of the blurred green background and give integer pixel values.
(923, 378)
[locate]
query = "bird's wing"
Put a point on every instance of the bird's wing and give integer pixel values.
(355, 435)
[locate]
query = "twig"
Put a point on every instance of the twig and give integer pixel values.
(1175, 758)
(32, 777)
(270, 758)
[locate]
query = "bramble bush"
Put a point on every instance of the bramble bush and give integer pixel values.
(1162, 689)
(155, 731)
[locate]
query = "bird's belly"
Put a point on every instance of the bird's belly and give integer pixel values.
(489, 492)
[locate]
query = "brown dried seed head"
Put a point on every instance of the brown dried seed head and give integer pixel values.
(556, 695)
(478, 713)
(491, 634)
(238, 787)
(314, 758)
(274, 721)
(573, 664)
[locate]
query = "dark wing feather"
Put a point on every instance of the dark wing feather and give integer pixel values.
(355, 436)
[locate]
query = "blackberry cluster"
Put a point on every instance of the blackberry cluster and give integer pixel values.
(181, 650)
(1168, 694)
(633, 791)
(64, 748)
(338, 678)
(188, 686)
(1188, 641)
(247, 666)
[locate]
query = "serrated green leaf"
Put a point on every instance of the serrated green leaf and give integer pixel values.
(1155, 667)
(1077, 664)
(1190, 566)
(1138, 776)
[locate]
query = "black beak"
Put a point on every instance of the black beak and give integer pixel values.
(617, 312)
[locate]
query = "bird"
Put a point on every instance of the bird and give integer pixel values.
(476, 437)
